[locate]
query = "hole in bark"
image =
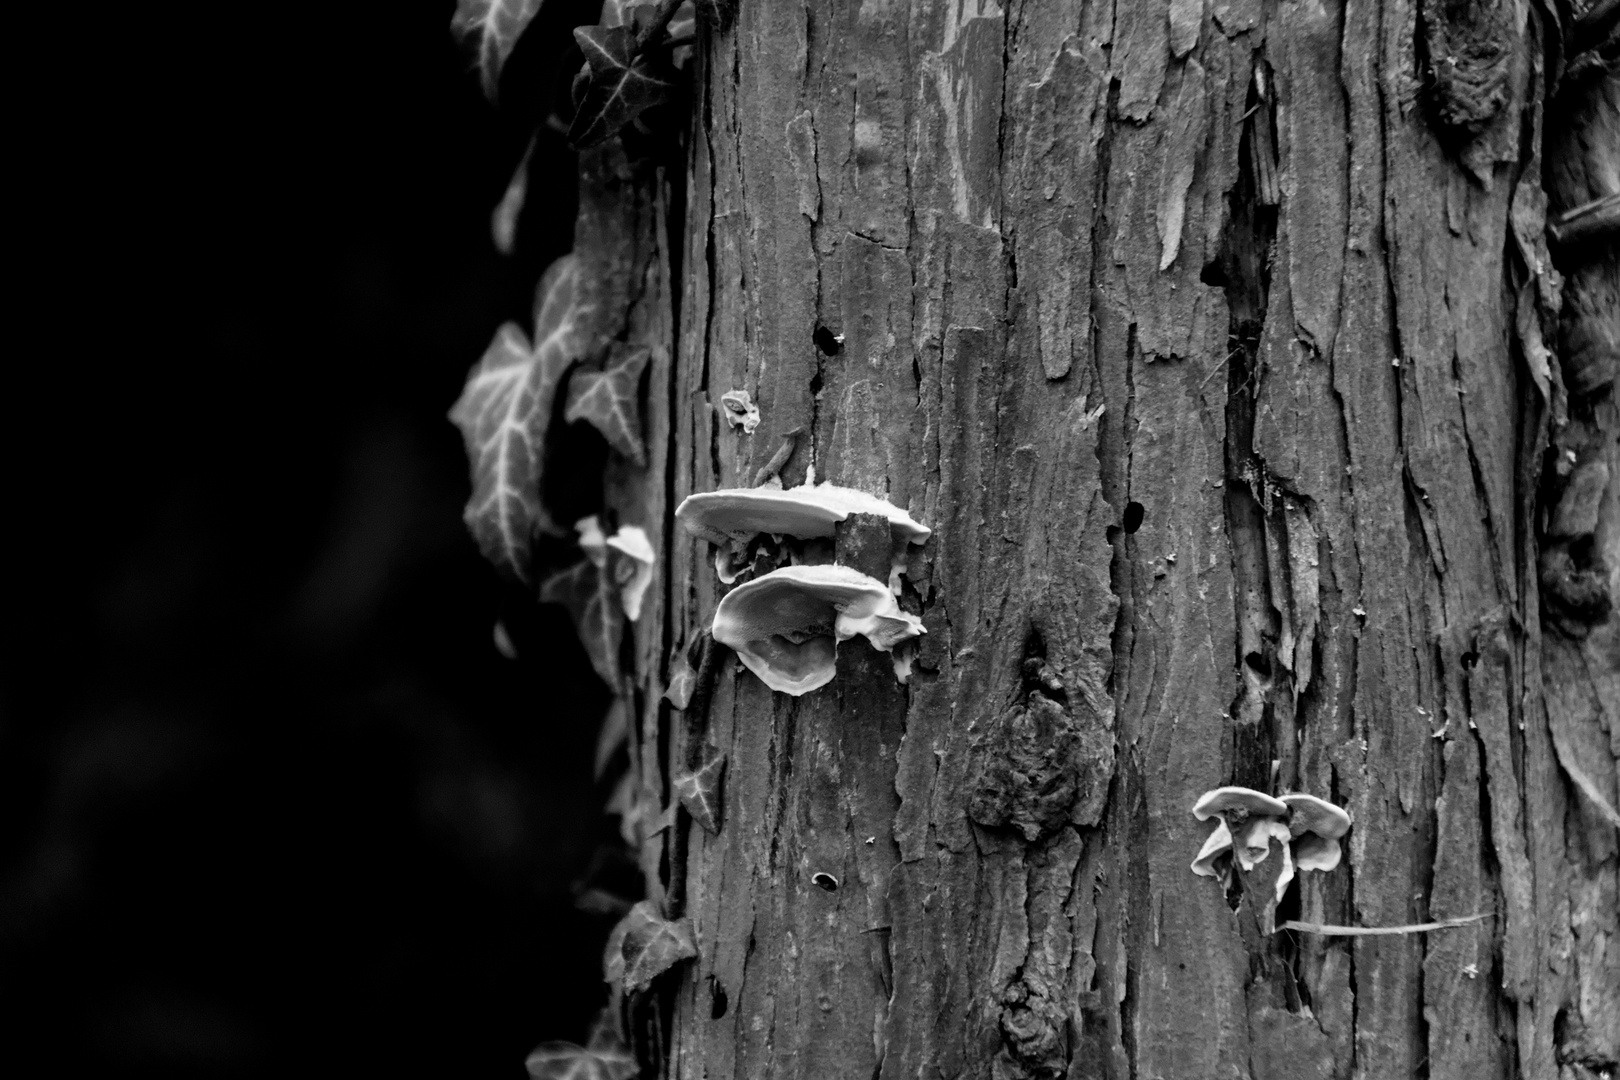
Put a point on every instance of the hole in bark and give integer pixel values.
(828, 342)
(1213, 274)
(824, 881)
(1469, 659)
(1134, 513)
(1039, 677)
(1258, 664)
(815, 383)
(718, 1002)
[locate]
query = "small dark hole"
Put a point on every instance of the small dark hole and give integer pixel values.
(718, 1002)
(815, 383)
(1133, 516)
(1258, 664)
(827, 341)
(824, 881)
(1469, 659)
(1213, 274)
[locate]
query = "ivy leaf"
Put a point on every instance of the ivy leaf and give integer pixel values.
(503, 222)
(490, 28)
(625, 12)
(606, 1031)
(637, 13)
(620, 87)
(504, 412)
(607, 398)
(566, 1061)
(651, 945)
(593, 602)
(699, 792)
(614, 733)
(682, 681)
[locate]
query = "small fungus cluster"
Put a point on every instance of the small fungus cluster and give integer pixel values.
(1307, 828)
(786, 621)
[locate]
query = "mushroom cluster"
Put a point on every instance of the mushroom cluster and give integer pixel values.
(785, 623)
(1307, 828)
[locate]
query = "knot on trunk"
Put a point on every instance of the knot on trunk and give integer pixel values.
(1469, 60)
(1575, 586)
(1028, 778)
(1033, 1027)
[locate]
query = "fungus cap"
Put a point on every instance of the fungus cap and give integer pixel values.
(1252, 842)
(785, 625)
(1308, 814)
(1237, 804)
(1285, 875)
(1314, 852)
(1218, 844)
(738, 407)
(804, 511)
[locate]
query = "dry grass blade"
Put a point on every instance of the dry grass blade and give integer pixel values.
(1328, 930)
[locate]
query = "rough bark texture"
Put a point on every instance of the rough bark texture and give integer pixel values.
(1219, 345)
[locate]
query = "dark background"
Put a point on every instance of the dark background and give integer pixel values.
(271, 803)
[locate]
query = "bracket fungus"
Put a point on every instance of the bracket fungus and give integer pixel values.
(1249, 822)
(1308, 829)
(738, 407)
(785, 626)
(1236, 805)
(809, 510)
(732, 518)
(1209, 862)
(1315, 826)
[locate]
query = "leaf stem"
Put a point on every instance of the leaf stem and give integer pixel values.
(710, 656)
(655, 29)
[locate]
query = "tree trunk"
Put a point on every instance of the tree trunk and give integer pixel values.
(1220, 349)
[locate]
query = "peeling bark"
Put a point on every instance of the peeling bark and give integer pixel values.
(1265, 441)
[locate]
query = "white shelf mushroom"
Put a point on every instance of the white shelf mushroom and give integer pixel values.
(785, 626)
(1209, 862)
(1315, 827)
(730, 519)
(1249, 822)
(808, 510)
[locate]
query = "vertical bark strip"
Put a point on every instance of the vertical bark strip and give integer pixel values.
(1211, 340)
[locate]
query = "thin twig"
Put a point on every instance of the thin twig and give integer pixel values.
(773, 467)
(1585, 786)
(1219, 366)
(1589, 221)
(1369, 931)
(655, 29)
